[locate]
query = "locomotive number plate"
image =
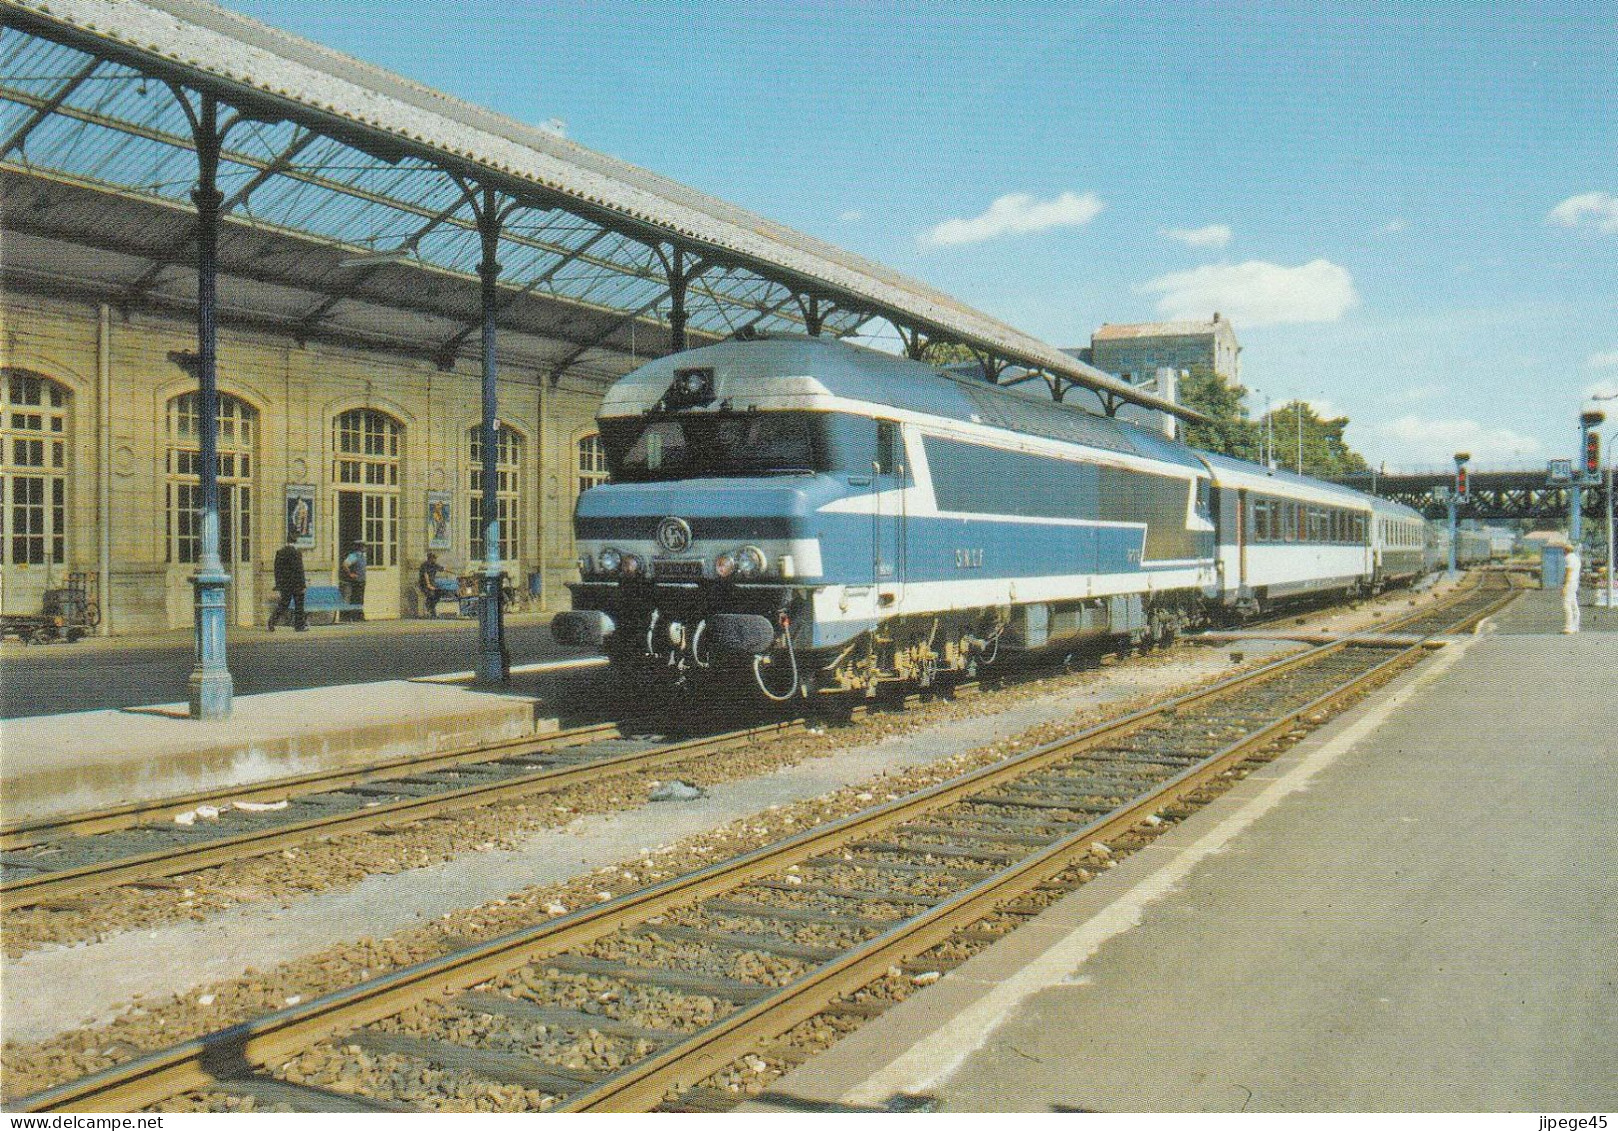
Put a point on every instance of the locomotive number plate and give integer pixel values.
(676, 567)
(969, 559)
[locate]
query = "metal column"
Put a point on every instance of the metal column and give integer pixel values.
(493, 661)
(211, 688)
(678, 278)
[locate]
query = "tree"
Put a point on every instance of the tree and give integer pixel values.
(943, 354)
(1325, 453)
(1229, 431)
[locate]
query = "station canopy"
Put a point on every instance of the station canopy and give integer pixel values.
(348, 215)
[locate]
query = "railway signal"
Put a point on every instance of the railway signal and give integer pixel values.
(1456, 498)
(1588, 474)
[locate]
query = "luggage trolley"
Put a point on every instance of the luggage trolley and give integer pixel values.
(70, 613)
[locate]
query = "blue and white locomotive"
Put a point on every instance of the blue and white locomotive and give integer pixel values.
(827, 517)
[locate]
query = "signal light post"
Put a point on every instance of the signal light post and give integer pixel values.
(1587, 473)
(1456, 498)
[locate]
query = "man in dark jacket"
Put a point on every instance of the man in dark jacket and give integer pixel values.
(290, 584)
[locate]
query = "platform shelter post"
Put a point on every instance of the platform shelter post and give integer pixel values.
(211, 687)
(493, 661)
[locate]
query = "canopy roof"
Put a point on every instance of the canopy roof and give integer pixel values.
(347, 215)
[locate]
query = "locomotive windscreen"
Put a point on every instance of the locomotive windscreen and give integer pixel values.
(703, 444)
(699, 444)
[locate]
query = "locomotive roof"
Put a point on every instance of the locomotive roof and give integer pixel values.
(858, 373)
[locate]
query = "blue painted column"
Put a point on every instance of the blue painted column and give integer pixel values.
(493, 662)
(1453, 533)
(1575, 518)
(1456, 498)
(211, 688)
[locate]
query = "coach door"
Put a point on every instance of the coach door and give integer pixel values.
(888, 521)
(1241, 538)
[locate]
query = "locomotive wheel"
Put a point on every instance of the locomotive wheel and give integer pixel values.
(41, 635)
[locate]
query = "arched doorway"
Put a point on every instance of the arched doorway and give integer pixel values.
(238, 442)
(512, 447)
(365, 472)
(36, 461)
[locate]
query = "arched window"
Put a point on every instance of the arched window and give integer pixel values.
(592, 462)
(34, 467)
(508, 473)
(365, 468)
(238, 431)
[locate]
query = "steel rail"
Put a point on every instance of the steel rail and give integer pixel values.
(274, 1037)
(29, 833)
(74, 882)
(644, 1085)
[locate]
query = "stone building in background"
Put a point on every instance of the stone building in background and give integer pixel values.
(1137, 351)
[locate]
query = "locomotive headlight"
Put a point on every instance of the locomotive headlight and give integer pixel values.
(630, 566)
(724, 565)
(586, 565)
(610, 559)
(749, 561)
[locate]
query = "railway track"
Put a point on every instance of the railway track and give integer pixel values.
(59, 861)
(632, 1003)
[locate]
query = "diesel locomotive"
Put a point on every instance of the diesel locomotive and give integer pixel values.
(815, 516)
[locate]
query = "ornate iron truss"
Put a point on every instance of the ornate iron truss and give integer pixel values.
(603, 261)
(1524, 496)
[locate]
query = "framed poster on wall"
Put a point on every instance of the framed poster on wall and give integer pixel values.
(438, 517)
(300, 515)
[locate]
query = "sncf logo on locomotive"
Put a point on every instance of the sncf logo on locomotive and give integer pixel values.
(674, 535)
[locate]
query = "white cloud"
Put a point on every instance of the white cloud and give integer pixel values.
(1603, 388)
(1600, 209)
(850, 216)
(1413, 394)
(1325, 409)
(1211, 235)
(1414, 442)
(1015, 213)
(1257, 293)
(556, 126)
(1605, 359)
(1393, 226)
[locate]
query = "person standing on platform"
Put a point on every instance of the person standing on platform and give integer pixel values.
(1570, 590)
(290, 583)
(353, 577)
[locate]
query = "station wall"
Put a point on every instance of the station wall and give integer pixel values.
(99, 438)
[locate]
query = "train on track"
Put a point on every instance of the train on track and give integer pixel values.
(813, 516)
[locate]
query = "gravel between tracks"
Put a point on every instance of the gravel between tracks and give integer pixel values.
(157, 1023)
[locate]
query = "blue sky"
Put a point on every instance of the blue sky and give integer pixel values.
(1410, 211)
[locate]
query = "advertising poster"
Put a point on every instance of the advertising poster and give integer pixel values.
(300, 515)
(438, 518)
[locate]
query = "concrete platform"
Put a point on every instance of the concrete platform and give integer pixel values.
(90, 759)
(1540, 611)
(1414, 909)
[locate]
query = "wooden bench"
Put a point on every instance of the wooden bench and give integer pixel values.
(325, 599)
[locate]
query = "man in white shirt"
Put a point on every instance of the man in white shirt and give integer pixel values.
(1570, 590)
